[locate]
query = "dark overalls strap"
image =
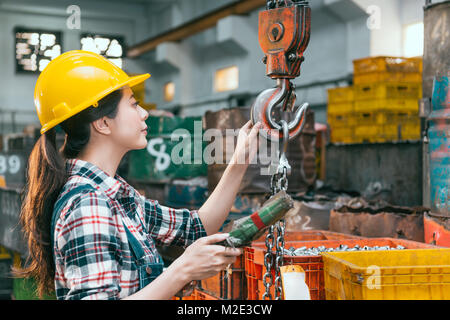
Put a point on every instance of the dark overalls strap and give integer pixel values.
(147, 271)
(61, 202)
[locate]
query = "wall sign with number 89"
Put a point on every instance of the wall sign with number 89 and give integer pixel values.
(9, 164)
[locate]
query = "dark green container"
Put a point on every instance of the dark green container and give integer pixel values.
(156, 162)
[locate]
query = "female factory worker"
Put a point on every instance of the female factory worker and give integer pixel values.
(90, 234)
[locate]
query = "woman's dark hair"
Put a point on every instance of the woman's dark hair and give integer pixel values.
(46, 175)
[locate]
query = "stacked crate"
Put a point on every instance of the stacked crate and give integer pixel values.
(340, 114)
(387, 92)
(313, 266)
(411, 274)
(382, 105)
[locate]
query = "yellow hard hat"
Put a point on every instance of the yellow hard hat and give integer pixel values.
(75, 81)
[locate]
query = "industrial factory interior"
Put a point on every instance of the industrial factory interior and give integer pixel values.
(237, 151)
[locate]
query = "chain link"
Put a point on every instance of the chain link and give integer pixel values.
(281, 184)
(279, 258)
(268, 263)
(278, 182)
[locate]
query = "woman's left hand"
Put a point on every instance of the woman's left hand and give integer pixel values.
(218, 205)
(247, 144)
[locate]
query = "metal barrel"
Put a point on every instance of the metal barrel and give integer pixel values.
(435, 60)
(437, 43)
(300, 153)
(439, 145)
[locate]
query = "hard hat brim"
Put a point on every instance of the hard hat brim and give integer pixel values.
(131, 82)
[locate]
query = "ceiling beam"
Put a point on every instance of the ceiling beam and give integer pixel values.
(196, 25)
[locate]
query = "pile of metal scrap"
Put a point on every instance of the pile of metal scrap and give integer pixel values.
(312, 208)
(309, 215)
(304, 251)
(377, 218)
(386, 171)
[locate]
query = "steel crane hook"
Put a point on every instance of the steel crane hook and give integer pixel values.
(263, 110)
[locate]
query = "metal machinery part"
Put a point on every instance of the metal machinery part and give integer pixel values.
(284, 32)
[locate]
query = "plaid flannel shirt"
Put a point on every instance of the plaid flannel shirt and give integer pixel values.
(91, 251)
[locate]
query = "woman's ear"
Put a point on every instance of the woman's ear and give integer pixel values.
(102, 126)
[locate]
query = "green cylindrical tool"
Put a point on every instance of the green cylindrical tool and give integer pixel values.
(250, 228)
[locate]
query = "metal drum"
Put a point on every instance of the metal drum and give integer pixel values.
(437, 43)
(436, 62)
(439, 146)
(300, 153)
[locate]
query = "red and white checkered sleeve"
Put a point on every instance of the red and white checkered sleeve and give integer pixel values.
(172, 226)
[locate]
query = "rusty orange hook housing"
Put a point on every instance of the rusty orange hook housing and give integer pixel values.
(284, 32)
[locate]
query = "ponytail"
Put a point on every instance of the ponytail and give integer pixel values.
(46, 176)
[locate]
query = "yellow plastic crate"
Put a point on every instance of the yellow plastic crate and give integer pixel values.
(412, 274)
(339, 108)
(342, 135)
(374, 133)
(384, 117)
(370, 118)
(403, 117)
(387, 90)
(411, 131)
(342, 94)
(387, 64)
(4, 254)
(403, 105)
(376, 77)
(395, 132)
(342, 120)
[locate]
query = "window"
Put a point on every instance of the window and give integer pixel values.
(226, 79)
(111, 47)
(413, 40)
(35, 49)
(169, 91)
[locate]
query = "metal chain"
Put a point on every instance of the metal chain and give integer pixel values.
(280, 226)
(278, 182)
(267, 278)
(270, 239)
(279, 258)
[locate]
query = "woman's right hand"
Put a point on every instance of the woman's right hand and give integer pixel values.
(204, 258)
